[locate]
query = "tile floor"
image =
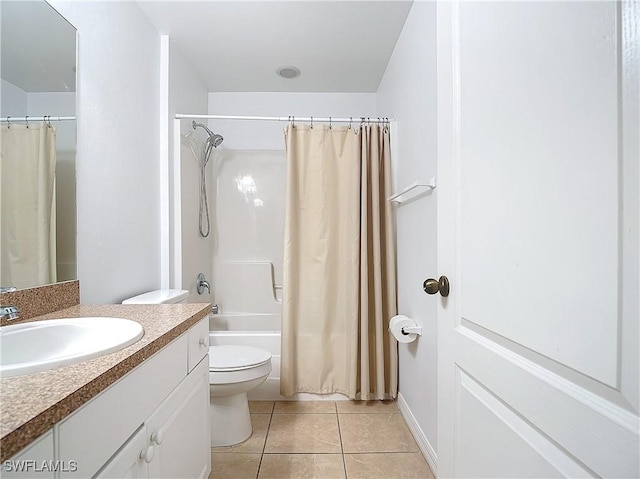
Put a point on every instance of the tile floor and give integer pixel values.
(323, 440)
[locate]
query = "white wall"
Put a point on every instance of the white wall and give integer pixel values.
(118, 143)
(13, 100)
(188, 94)
(62, 104)
(408, 93)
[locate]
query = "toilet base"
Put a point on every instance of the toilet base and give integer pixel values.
(230, 420)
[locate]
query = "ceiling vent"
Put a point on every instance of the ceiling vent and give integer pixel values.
(288, 72)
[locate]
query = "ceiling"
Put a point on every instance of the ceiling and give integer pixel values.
(339, 46)
(38, 47)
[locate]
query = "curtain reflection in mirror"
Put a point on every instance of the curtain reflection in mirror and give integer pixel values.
(28, 205)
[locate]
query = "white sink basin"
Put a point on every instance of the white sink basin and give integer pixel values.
(42, 345)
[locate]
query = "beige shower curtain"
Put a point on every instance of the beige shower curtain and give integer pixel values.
(27, 205)
(339, 264)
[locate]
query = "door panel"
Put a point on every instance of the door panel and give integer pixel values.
(538, 234)
(515, 445)
(539, 178)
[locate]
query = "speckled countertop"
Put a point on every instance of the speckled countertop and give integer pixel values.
(31, 404)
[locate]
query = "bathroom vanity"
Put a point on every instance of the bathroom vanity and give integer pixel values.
(139, 412)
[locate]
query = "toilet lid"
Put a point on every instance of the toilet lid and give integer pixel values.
(236, 357)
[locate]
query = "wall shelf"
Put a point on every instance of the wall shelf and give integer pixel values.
(413, 190)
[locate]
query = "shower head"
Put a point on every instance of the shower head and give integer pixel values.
(214, 138)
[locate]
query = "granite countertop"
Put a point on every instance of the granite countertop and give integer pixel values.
(31, 404)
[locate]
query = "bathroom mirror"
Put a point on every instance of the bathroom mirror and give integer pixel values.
(38, 70)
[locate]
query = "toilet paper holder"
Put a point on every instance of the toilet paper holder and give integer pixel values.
(404, 329)
(407, 330)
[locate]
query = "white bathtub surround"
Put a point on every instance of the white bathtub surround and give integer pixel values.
(242, 287)
(339, 263)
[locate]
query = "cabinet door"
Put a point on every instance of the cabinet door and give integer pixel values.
(198, 342)
(179, 429)
(34, 461)
(128, 463)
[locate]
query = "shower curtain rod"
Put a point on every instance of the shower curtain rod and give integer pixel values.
(9, 119)
(355, 119)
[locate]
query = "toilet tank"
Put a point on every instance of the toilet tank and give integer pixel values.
(160, 296)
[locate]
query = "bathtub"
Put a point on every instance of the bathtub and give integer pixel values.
(262, 331)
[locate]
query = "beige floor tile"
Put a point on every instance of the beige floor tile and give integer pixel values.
(260, 407)
(375, 433)
(303, 433)
(260, 425)
(367, 407)
(297, 407)
(302, 466)
(234, 466)
(387, 466)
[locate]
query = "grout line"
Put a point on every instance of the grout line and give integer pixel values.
(264, 446)
(344, 463)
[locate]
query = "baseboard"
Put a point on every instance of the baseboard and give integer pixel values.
(423, 443)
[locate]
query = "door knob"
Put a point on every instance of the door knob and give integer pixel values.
(433, 286)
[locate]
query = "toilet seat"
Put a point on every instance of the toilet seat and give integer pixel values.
(236, 358)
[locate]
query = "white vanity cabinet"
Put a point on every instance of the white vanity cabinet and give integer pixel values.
(36, 460)
(128, 461)
(170, 443)
(151, 423)
(178, 429)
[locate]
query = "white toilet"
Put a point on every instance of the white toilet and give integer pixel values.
(233, 371)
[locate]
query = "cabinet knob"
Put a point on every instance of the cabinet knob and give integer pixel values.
(158, 437)
(147, 454)
(204, 342)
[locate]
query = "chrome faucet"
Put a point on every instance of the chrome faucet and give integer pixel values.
(202, 283)
(9, 313)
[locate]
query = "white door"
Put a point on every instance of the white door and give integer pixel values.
(538, 234)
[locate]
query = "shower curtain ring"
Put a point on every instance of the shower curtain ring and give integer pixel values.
(312, 123)
(350, 120)
(330, 123)
(8, 123)
(26, 119)
(193, 124)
